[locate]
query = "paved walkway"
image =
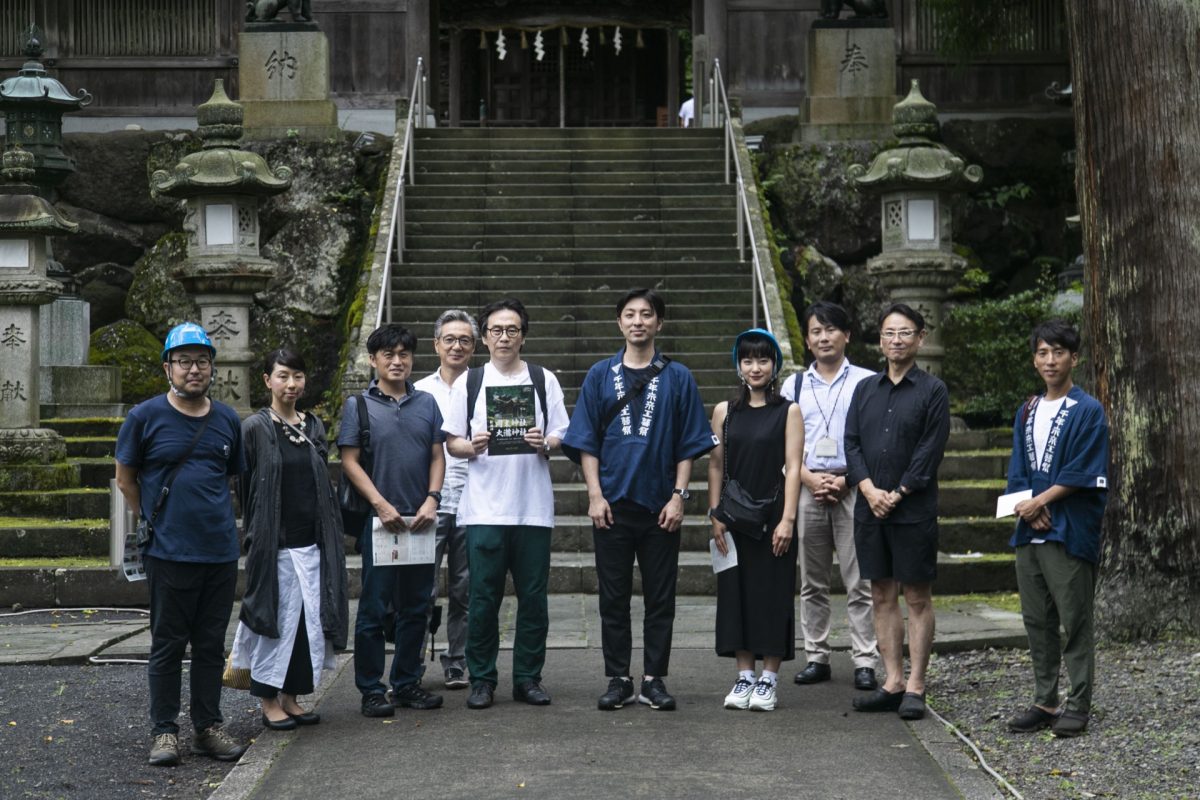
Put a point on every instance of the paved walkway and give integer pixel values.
(813, 746)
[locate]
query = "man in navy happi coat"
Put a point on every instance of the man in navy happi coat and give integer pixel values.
(1060, 455)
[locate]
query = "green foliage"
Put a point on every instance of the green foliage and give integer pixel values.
(137, 352)
(988, 366)
(1001, 196)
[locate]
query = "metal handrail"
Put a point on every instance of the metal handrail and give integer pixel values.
(395, 242)
(720, 115)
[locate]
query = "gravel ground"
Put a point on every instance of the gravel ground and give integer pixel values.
(82, 733)
(1143, 740)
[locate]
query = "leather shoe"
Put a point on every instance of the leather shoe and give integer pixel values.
(306, 718)
(879, 700)
(814, 672)
(482, 696)
(288, 724)
(864, 679)
(1069, 723)
(531, 692)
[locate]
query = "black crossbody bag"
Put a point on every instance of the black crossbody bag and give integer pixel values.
(355, 508)
(145, 527)
(738, 510)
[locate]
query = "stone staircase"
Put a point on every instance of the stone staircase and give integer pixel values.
(565, 220)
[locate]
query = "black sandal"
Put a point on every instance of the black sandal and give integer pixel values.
(879, 700)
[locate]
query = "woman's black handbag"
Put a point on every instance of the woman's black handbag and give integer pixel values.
(355, 509)
(738, 510)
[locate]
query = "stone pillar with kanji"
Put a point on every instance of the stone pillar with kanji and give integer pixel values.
(26, 222)
(221, 186)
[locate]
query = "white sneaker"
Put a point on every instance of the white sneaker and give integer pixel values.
(763, 696)
(739, 695)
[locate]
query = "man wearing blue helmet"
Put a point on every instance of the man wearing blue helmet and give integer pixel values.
(175, 455)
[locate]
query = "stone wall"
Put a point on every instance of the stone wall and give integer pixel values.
(130, 243)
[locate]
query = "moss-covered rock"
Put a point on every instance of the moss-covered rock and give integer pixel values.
(138, 353)
(316, 339)
(156, 300)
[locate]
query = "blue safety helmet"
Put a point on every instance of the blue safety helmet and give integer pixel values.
(766, 335)
(187, 334)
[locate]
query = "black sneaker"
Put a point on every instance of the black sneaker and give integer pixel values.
(620, 691)
(377, 705)
(413, 696)
(482, 696)
(654, 694)
(456, 678)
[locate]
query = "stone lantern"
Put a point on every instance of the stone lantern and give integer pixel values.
(26, 221)
(33, 104)
(917, 179)
(221, 186)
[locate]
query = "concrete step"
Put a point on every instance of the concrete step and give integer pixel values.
(616, 275)
(610, 137)
(38, 477)
(614, 188)
(475, 153)
(484, 227)
(563, 363)
(106, 426)
(974, 465)
(565, 238)
(56, 504)
(560, 302)
(426, 198)
(51, 538)
(688, 320)
(570, 573)
(568, 178)
(91, 446)
(563, 162)
(562, 215)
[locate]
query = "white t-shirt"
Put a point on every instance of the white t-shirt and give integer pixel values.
(513, 489)
(1043, 418)
(687, 112)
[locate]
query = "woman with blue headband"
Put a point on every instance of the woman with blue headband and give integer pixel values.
(753, 490)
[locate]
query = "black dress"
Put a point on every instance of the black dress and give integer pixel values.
(756, 608)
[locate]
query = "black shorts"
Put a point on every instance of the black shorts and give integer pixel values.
(904, 552)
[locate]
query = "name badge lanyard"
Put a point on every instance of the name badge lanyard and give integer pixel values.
(826, 446)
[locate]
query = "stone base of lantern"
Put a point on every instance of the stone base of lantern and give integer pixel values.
(31, 446)
(921, 279)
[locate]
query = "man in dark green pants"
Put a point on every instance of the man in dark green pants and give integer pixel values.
(1060, 457)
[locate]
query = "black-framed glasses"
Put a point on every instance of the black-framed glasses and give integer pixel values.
(464, 342)
(187, 363)
(512, 331)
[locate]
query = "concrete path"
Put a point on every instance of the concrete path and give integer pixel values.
(813, 746)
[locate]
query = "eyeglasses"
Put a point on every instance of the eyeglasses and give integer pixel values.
(462, 341)
(187, 363)
(512, 331)
(905, 334)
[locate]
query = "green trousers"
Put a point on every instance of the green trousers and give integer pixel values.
(1058, 589)
(492, 552)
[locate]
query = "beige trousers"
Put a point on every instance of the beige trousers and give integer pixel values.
(824, 528)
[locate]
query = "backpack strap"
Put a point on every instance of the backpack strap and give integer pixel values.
(797, 386)
(538, 376)
(366, 460)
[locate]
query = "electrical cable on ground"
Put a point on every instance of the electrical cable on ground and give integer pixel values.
(978, 755)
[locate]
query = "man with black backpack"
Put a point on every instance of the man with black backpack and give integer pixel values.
(505, 418)
(638, 426)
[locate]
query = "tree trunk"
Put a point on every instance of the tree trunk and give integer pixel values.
(1136, 72)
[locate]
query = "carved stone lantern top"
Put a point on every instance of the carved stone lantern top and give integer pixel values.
(33, 86)
(220, 168)
(919, 161)
(23, 212)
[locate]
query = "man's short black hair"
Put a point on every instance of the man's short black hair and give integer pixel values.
(904, 310)
(507, 304)
(1056, 333)
(389, 336)
(650, 296)
(827, 313)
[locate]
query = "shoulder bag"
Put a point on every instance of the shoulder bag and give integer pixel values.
(738, 510)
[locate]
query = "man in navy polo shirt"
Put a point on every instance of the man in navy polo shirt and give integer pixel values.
(192, 557)
(405, 482)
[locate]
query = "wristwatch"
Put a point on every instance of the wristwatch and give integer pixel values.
(436, 496)
(712, 513)
(684, 493)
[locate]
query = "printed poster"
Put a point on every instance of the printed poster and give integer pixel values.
(509, 416)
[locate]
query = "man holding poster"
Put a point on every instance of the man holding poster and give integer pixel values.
(404, 489)
(505, 418)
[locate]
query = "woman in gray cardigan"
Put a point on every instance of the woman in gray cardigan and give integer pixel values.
(295, 609)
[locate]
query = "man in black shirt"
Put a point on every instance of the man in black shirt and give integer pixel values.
(896, 432)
